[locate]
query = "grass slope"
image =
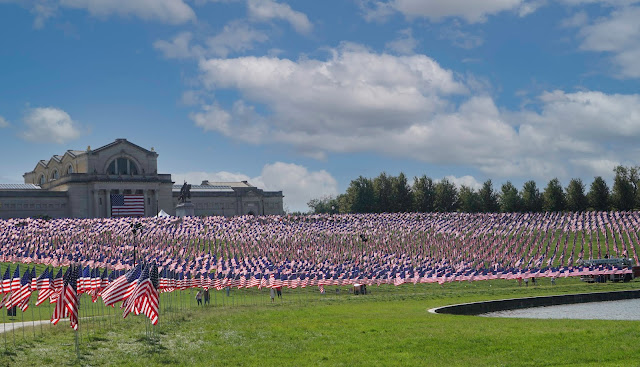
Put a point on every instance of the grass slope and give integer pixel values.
(390, 327)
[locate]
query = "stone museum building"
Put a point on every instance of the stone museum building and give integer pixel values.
(122, 179)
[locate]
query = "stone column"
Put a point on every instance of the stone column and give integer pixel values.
(147, 208)
(96, 206)
(155, 202)
(107, 202)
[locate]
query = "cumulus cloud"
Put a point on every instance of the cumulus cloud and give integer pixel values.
(405, 44)
(49, 124)
(3, 122)
(619, 35)
(357, 100)
(266, 10)
(468, 181)
(236, 36)
(297, 183)
(435, 10)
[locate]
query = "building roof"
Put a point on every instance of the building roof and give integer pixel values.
(120, 141)
(19, 187)
(229, 184)
(205, 188)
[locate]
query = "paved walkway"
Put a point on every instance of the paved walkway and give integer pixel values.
(8, 326)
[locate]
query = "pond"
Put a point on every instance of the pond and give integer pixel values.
(611, 310)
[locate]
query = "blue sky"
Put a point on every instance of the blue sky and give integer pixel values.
(303, 96)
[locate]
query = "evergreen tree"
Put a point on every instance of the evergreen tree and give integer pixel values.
(446, 198)
(576, 198)
(598, 195)
(510, 200)
(360, 196)
(424, 193)
(401, 200)
(624, 192)
(553, 197)
(383, 193)
(469, 200)
(488, 198)
(531, 197)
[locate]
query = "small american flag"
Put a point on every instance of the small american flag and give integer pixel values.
(127, 205)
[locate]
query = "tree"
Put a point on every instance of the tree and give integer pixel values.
(598, 195)
(469, 200)
(625, 187)
(401, 194)
(424, 193)
(510, 200)
(382, 191)
(325, 205)
(446, 198)
(531, 197)
(488, 198)
(553, 197)
(359, 196)
(576, 198)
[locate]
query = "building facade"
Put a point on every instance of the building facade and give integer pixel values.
(85, 184)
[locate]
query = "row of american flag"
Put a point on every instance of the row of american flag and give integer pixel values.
(138, 288)
(320, 250)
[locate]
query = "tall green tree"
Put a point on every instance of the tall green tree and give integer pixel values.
(553, 197)
(446, 199)
(625, 187)
(469, 200)
(360, 196)
(424, 193)
(383, 193)
(401, 200)
(599, 195)
(576, 197)
(488, 198)
(325, 205)
(510, 200)
(531, 197)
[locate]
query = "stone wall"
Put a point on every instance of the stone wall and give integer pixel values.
(477, 308)
(33, 203)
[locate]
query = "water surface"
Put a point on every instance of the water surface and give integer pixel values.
(628, 309)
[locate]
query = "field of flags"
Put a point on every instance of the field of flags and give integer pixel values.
(288, 251)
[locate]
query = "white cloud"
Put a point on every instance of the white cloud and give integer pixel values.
(435, 10)
(460, 38)
(235, 37)
(266, 10)
(297, 183)
(405, 44)
(178, 47)
(49, 124)
(166, 11)
(3, 122)
(411, 107)
(618, 34)
(468, 181)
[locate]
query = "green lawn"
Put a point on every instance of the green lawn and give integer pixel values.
(392, 326)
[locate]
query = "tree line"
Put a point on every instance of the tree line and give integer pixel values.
(393, 194)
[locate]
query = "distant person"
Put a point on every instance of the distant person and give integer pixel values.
(526, 282)
(279, 291)
(553, 280)
(207, 297)
(272, 293)
(199, 297)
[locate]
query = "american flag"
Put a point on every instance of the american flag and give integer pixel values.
(144, 299)
(127, 205)
(67, 304)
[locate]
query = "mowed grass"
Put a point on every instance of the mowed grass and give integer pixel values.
(390, 327)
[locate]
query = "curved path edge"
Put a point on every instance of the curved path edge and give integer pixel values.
(477, 308)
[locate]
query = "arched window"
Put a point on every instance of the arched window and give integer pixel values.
(70, 169)
(55, 175)
(42, 180)
(122, 166)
